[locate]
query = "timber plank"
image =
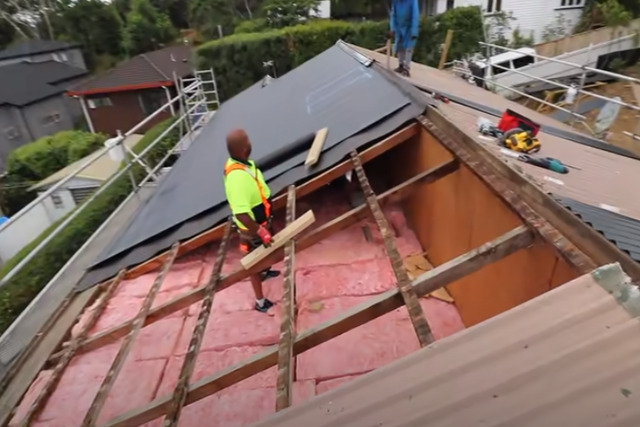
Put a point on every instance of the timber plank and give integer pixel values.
(316, 147)
(375, 307)
(289, 232)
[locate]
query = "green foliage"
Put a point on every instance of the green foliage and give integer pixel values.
(251, 26)
(147, 28)
(615, 14)
(560, 27)
(238, 60)
(206, 15)
(498, 26)
(35, 161)
(518, 40)
(94, 24)
(287, 13)
(16, 295)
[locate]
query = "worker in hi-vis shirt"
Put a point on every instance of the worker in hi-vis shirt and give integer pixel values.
(249, 197)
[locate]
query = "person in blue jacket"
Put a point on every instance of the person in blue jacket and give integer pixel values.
(405, 23)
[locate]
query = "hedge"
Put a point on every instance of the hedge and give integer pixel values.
(16, 295)
(35, 161)
(238, 59)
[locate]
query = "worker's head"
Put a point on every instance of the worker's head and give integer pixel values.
(239, 144)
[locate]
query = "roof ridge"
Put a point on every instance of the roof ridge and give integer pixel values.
(155, 67)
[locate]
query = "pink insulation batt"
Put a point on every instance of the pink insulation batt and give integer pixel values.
(332, 276)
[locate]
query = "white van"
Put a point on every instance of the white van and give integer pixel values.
(485, 71)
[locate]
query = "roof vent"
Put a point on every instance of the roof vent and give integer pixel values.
(173, 59)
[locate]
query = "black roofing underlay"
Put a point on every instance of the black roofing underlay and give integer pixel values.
(357, 99)
(622, 231)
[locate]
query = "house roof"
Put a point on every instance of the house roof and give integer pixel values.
(100, 170)
(147, 70)
(28, 82)
(359, 102)
(622, 231)
(566, 357)
(34, 47)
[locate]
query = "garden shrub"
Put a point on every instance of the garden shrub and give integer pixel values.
(18, 292)
(238, 60)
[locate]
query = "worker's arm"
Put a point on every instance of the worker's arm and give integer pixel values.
(415, 20)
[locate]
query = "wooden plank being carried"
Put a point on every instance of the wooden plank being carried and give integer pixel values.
(416, 314)
(393, 195)
(189, 364)
(308, 187)
(505, 245)
(291, 231)
(288, 326)
(91, 418)
(50, 386)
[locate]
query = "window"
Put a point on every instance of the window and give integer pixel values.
(523, 61)
(494, 6)
(571, 3)
(450, 4)
(81, 194)
(57, 201)
(151, 100)
(103, 101)
(11, 133)
(52, 118)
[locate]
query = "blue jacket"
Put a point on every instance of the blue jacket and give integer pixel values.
(405, 22)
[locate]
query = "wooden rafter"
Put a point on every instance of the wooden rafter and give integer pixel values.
(279, 202)
(93, 413)
(342, 222)
(287, 327)
(50, 386)
(475, 160)
(416, 314)
(375, 307)
(189, 364)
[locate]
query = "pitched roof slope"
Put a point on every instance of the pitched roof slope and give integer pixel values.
(151, 69)
(338, 89)
(568, 357)
(34, 47)
(28, 82)
(99, 170)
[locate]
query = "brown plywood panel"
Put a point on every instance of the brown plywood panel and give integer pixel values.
(562, 273)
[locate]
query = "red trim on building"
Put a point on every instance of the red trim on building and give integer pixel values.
(119, 88)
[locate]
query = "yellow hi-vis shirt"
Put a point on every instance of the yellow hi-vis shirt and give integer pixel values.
(243, 193)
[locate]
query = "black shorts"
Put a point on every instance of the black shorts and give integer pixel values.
(251, 243)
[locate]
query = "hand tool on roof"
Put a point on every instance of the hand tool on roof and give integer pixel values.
(550, 163)
(520, 140)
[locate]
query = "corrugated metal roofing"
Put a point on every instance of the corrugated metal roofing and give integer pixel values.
(100, 170)
(147, 68)
(567, 358)
(622, 231)
(34, 47)
(28, 82)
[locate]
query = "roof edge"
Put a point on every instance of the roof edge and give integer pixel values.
(40, 52)
(125, 88)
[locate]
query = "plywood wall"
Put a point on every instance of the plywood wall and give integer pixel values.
(459, 213)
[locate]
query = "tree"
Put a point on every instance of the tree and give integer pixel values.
(7, 34)
(560, 27)
(147, 29)
(498, 26)
(29, 18)
(94, 24)
(206, 15)
(177, 10)
(286, 13)
(518, 40)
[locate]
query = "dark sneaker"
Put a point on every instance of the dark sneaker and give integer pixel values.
(265, 306)
(405, 72)
(269, 274)
(399, 69)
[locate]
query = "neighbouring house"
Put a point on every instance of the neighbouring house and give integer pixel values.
(131, 91)
(43, 51)
(531, 17)
(33, 104)
(23, 229)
